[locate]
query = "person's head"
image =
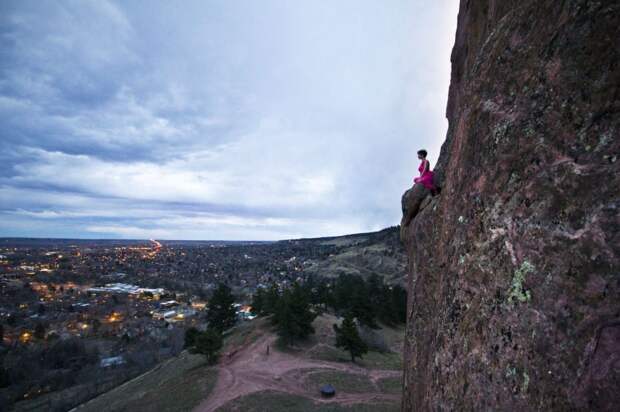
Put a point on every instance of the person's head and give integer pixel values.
(422, 154)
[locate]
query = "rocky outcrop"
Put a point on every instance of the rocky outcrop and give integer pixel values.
(514, 269)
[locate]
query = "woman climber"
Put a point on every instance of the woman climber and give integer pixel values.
(426, 174)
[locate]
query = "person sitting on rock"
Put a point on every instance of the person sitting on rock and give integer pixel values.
(426, 174)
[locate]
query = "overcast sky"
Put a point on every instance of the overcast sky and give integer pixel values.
(247, 119)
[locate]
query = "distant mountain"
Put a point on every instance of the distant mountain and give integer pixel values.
(55, 242)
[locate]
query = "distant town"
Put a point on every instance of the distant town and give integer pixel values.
(95, 313)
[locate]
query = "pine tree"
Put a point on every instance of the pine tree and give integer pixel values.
(349, 339)
(272, 298)
(399, 302)
(380, 299)
(209, 343)
(323, 293)
(190, 337)
(221, 313)
(361, 305)
(294, 317)
(258, 302)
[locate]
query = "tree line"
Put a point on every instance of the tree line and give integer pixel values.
(369, 301)
(293, 309)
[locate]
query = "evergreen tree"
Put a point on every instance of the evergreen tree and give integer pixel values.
(221, 313)
(399, 302)
(349, 339)
(323, 293)
(258, 302)
(351, 294)
(190, 337)
(340, 299)
(293, 317)
(271, 300)
(209, 344)
(360, 304)
(375, 287)
(380, 299)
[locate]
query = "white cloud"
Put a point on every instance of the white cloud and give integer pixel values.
(242, 119)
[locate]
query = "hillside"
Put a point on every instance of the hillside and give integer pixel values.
(178, 384)
(363, 254)
(514, 295)
(247, 378)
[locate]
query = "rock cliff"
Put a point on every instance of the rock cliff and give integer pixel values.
(514, 270)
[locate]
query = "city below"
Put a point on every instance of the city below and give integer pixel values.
(99, 312)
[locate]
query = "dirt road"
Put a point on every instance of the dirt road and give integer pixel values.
(250, 369)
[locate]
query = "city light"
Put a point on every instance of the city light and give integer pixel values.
(25, 337)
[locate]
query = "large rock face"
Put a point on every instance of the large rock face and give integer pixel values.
(514, 270)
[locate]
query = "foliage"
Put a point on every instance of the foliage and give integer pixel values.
(258, 302)
(209, 343)
(349, 339)
(221, 313)
(368, 300)
(272, 297)
(68, 353)
(265, 301)
(190, 337)
(294, 316)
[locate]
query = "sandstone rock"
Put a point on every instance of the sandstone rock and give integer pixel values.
(514, 271)
(411, 203)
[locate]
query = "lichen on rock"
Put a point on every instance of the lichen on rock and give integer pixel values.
(517, 292)
(514, 293)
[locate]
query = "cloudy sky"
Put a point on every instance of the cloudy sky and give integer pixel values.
(245, 119)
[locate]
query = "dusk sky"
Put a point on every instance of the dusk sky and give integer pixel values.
(231, 120)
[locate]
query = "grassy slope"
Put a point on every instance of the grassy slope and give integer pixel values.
(269, 401)
(345, 382)
(320, 346)
(178, 384)
(181, 383)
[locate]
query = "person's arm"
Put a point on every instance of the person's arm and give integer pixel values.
(425, 169)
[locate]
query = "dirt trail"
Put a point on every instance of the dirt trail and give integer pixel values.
(251, 370)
